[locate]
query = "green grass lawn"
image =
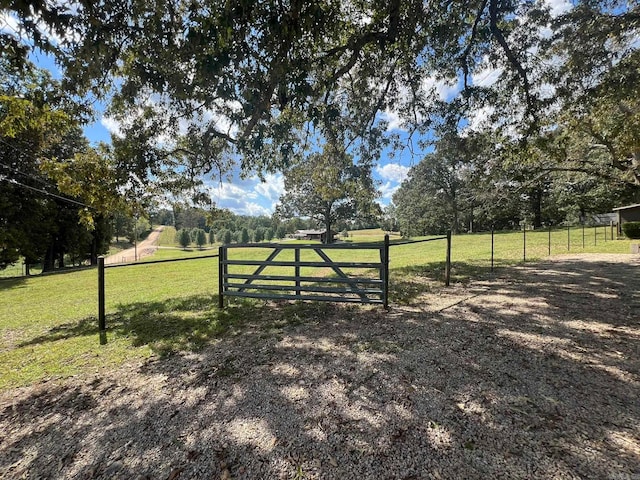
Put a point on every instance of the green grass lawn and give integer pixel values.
(48, 323)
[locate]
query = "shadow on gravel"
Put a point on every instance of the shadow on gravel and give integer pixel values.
(537, 376)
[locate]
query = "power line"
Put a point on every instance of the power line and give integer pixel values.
(59, 197)
(33, 177)
(28, 175)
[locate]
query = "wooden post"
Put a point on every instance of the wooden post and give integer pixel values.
(524, 242)
(297, 269)
(492, 247)
(102, 323)
(221, 251)
(385, 267)
(447, 265)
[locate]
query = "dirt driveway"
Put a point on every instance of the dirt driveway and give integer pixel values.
(532, 374)
(146, 247)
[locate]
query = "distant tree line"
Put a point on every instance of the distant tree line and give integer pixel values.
(473, 183)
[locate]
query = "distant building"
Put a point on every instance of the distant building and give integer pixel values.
(630, 213)
(319, 235)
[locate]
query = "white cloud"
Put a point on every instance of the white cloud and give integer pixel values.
(393, 119)
(229, 191)
(558, 7)
(478, 120)
(272, 188)
(393, 171)
(253, 209)
(112, 125)
(486, 76)
(446, 89)
(388, 189)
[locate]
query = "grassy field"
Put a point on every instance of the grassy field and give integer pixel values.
(48, 323)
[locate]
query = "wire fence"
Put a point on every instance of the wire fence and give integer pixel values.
(383, 252)
(543, 242)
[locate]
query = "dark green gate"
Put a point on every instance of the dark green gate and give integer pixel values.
(351, 281)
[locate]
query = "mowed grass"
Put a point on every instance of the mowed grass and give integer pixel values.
(48, 324)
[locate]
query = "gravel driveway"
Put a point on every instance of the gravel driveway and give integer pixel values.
(532, 374)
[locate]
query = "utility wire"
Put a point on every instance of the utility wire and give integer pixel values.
(28, 175)
(33, 177)
(59, 197)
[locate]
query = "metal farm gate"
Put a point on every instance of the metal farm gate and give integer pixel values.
(350, 281)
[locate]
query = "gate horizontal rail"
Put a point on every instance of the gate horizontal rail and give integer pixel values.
(353, 289)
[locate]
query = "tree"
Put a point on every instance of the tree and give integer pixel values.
(282, 66)
(226, 238)
(280, 232)
(244, 236)
(268, 234)
(56, 192)
(212, 237)
(201, 238)
(258, 234)
(438, 194)
(328, 186)
(184, 238)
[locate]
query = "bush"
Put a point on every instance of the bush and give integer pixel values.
(184, 238)
(631, 230)
(201, 238)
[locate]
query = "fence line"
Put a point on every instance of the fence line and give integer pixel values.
(102, 323)
(549, 230)
(378, 286)
(116, 265)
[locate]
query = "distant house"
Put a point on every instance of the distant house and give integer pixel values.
(319, 235)
(630, 213)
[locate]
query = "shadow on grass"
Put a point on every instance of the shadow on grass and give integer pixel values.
(12, 282)
(406, 284)
(184, 324)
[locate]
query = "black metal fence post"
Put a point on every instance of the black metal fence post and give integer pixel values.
(583, 235)
(524, 242)
(102, 322)
(595, 235)
(447, 266)
(221, 253)
(492, 247)
(385, 300)
(568, 238)
(549, 240)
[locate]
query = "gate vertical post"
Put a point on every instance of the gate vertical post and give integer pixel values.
(102, 323)
(524, 243)
(492, 246)
(447, 265)
(385, 269)
(221, 252)
(296, 252)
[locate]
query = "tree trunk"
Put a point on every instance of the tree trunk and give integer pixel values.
(536, 207)
(327, 226)
(61, 259)
(48, 263)
(94, 250)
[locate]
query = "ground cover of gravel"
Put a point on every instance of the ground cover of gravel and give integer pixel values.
(533, 373)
